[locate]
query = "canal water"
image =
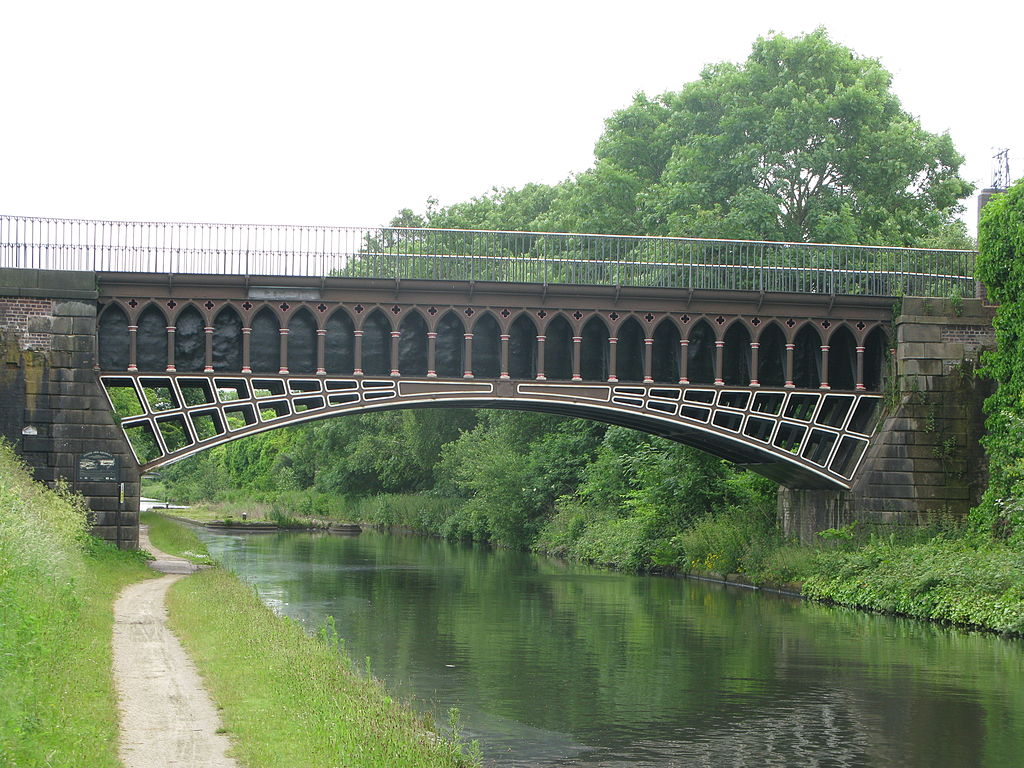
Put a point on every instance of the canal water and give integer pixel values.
(553, 664)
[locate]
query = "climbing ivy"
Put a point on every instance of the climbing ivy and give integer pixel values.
(1001, 268)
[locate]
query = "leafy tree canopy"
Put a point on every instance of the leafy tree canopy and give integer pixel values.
(804, 141)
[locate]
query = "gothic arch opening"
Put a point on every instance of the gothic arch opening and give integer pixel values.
(339, 344)
(594, 350)
(302, 342)
(265, 343)
(874, 359)
(449, 346)
(665, 353)
(807, 358)
(376, 345)
(558, 349)
(842, 359)
(412, 345)
(113, 339)
(771, 357)
(522, 348)
(700, 355)
(189, 340)
(736, 355)
(227, 340)
(151, 340)
(486, 347)
(629, 358)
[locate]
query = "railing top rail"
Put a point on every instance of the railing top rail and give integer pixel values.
(538, 233)
(482, 255)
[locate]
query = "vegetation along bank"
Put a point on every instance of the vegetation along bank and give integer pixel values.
(671, 165)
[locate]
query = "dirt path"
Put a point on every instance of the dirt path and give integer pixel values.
(167, 718)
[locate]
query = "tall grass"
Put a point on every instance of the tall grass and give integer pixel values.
(57, 587)
(289, 699)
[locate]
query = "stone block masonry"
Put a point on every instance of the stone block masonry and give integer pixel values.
(926, 459)
(49, 393)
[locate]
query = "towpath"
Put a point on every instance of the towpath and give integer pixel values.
(167, 717)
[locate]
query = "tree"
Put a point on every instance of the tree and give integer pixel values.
(804, 142)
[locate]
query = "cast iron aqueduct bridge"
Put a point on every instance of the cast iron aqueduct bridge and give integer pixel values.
(772, 355)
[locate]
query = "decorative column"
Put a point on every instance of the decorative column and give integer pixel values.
(755, 346)
(133, 332)
(613, 358)
(684, 361)
(504, 357)
(468, 357)
(789, 366)
(321, 352)
(170, 349)
(208, 330)
(395, 337)
(824, 366)
(648, 360)
(576, 342)
(283, 333)
(431, 355)
(246, 337)
(540, 358)
(860, 369)
(358, 353)
(719, 361)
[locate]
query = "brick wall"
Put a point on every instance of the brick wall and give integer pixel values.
(27, 320)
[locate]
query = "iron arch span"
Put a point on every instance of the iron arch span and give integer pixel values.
(800, 439)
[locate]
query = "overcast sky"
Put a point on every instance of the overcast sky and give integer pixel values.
(343, 113)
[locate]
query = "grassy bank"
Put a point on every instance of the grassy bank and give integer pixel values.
(174, 539)
(287, 698)
(57, 588)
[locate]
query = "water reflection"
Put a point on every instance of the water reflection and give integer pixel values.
(556, 665)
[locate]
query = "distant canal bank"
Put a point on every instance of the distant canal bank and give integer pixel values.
(554, 664)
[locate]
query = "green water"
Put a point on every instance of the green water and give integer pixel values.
(553, 664)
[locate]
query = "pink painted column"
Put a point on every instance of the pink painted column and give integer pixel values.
(613, 358)
(246, 339)
(824, 366)
(504, 357)
(431, 355)
(468, 356)
(208, 368)
(283, 333)
(540, 358)
(170, 349)
(754, 348)
(684, 361)
(358, 356)
(860, 369)
(133, 331)
(789, 366)
(321, 342)
(395, 336)
(576, 341)
(719, 361)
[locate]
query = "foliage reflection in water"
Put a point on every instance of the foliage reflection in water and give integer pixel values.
(553, 664)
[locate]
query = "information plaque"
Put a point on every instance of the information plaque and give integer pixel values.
(99, 467)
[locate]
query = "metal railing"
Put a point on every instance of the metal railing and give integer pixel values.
(402, 253)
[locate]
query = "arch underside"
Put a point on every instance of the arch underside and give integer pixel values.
(799, 438)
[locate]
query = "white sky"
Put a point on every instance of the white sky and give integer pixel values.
(343, 113)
